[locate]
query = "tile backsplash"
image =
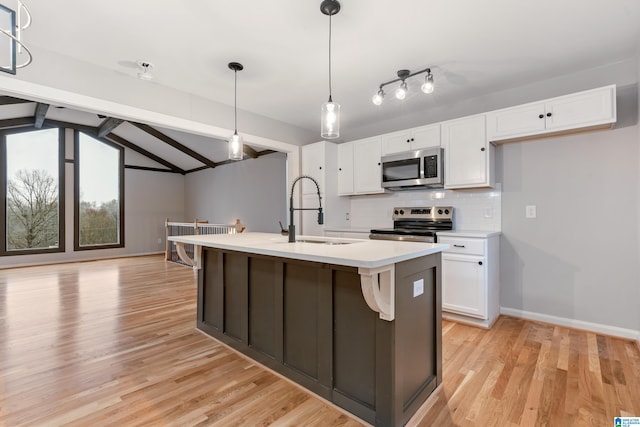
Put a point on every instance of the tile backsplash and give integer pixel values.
(473, 209)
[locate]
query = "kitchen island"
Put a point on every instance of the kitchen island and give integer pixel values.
(357, 322)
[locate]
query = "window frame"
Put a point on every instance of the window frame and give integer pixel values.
(76, 191)
(61, 191)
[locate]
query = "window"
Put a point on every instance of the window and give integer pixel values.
(99, 190)
(32, 183)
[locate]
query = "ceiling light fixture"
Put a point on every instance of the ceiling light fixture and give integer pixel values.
(235, 141)
(330, 119)
(145, 70)
(12, 26)
(401, 91)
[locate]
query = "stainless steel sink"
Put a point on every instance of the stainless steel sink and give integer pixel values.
(324, 242)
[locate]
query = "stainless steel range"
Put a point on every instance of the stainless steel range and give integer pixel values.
(416, 224)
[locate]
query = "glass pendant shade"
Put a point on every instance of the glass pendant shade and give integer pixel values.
(330, 122)
(378, 97)
(235, 147)
(427, 86)
(401, 92)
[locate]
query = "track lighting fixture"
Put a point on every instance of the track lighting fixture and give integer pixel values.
(330, 119)
(401, 91)
(235, 141)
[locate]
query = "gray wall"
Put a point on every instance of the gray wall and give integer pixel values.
(579, 258)
(252, 190)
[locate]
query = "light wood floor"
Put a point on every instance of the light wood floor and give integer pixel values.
(113, 343)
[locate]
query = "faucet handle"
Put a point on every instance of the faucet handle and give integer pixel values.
(283, 230)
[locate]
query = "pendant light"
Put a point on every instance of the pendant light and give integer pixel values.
(235, 141)
(330, 119)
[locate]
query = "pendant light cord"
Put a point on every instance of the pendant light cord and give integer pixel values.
(235, 101)
(330, 100)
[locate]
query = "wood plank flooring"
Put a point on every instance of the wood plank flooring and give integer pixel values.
(113, 342)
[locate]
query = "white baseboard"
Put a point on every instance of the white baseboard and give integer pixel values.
(68, 260)
(573, 323)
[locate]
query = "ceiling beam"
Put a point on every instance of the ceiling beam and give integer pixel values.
(111, 137)
(10, 100)
(108, 125)
(175, 144)
(228, 162)
(40, 114)
(120, 140)
(249, 151)
(16, 123)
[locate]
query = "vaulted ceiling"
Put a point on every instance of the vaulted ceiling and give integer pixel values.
(167, 149)
(474, 48)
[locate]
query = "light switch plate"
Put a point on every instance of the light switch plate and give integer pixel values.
(531, 211)
(418, 287)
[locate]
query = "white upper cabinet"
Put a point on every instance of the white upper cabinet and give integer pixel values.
(411, 139)
(367, 170)
(314, 165)
(586, 110)
(467, 153)
(345, 169)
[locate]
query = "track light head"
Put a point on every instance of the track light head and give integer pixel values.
(378, 97)
(427, 86)
(401, 92)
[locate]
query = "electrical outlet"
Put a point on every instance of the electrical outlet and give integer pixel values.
(418, 288)
(530, 211)
(159, 241)
(347, 216)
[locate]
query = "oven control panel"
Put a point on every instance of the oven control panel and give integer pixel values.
(423, 213)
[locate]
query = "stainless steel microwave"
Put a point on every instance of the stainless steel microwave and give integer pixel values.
(413, 169)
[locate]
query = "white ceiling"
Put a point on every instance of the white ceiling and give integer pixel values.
(474, 47)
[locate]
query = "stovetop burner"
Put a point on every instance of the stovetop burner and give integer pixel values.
(419, 224)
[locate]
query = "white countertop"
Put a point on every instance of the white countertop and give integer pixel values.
(468, 233)
(349, 229)
(358, 253)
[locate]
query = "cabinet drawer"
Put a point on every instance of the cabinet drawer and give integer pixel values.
(461, 245)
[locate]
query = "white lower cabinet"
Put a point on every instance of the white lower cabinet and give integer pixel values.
(470, 280)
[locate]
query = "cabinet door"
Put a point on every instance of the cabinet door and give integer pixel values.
(396, 142)
(466, 152)
(313, 164)
(345, 169)
(367, 172)
(464, 287)
(425, 137)
(517, 121)
(583, 109)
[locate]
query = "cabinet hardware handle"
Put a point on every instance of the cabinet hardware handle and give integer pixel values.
(339, 169)
(378, 163)
(412, 139)
(320, 167)
(541, 116)
(482, 149)
(458, 246)
(548, 114)
(408, 140)
(479, 262)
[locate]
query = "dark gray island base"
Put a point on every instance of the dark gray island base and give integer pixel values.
(309, 321)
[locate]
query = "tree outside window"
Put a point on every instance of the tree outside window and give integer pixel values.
(99, 183)
(33, 187)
